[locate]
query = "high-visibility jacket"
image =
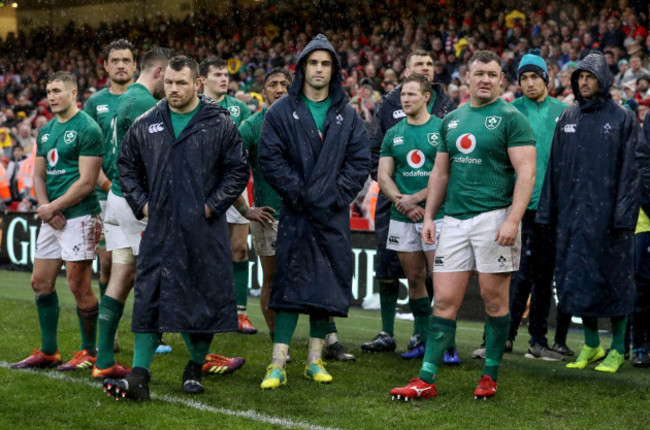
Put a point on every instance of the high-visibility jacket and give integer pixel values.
(5, 191)
(26, 175)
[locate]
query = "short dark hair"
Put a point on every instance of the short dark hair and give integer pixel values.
(118, 44)
(155, 57)
(275, 71)
(216, 62)
(180, 62)
(63, 76)
(417, 53)
(484, 56)
(425, 85)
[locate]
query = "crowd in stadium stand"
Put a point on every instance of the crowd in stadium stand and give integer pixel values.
(372, 38)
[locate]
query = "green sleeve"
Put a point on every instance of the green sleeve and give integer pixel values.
(519, 131)
(139, 107)
(92, 143)
(40, 150)
(247, 134)
(89, 108)
(387, 145)
(442, 146)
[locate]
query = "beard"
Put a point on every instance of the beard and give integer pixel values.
(121, 81)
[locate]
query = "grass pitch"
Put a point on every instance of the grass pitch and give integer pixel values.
(532, 394)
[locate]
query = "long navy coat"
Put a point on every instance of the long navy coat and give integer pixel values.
(317, 182)
(184, 280)
(591, 197)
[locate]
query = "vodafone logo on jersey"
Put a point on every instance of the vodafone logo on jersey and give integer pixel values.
(466, 143)
(415, 158)
(52, 157)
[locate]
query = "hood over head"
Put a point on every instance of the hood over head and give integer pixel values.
(319, 42)
(596, 64)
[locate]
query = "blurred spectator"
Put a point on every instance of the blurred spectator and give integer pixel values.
(635, 71)
(24, 106)
(623, 66)
(642, 110)
(642, 88)
(25, 138)
(454, 93)
(18, 154)
(441, 74)
(629, 89)
(42, 110)
(611, 62)
(363, 112)
(10, 119)
(613, 36)
(369, 98)
(372, 78)
(6, 142)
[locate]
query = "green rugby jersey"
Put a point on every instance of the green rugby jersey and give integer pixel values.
(263, 193)
(542, 118)
(413, 149)
(180, 120)
(318, 110)
(100, 107)
(134, 102)
(239, 112)
(481, 177)
(61, 144)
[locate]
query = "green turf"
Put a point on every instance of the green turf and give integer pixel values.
(532, 394)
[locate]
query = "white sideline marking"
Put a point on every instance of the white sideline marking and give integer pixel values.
(250, 414)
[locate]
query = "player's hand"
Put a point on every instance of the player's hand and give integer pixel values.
(428, 232)
(58, 221)
(262, 214)
(46, 212)
(406, 203)
(208, 211)
(145, 209)
(507, 233)
(416, 214)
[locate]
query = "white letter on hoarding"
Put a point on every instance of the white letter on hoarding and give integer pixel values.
(355, 278)
(370, 272)
(10, 242)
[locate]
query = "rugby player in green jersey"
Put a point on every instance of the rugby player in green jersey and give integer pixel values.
(120, 65)
(214, 76)
(485, 167)
(264, 215)
(535, 275)
(407, 154)
(65, 173)
(123, 230)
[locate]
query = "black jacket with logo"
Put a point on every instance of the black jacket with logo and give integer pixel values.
(591, 198)
(184, 279)
(317, 180)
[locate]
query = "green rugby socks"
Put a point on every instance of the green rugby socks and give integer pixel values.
(110, 312)
(48, 319)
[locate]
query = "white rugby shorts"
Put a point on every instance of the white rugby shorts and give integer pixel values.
(77, 241)
(122, 228)
(407, 236)
(467, 245)
(232, 214)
